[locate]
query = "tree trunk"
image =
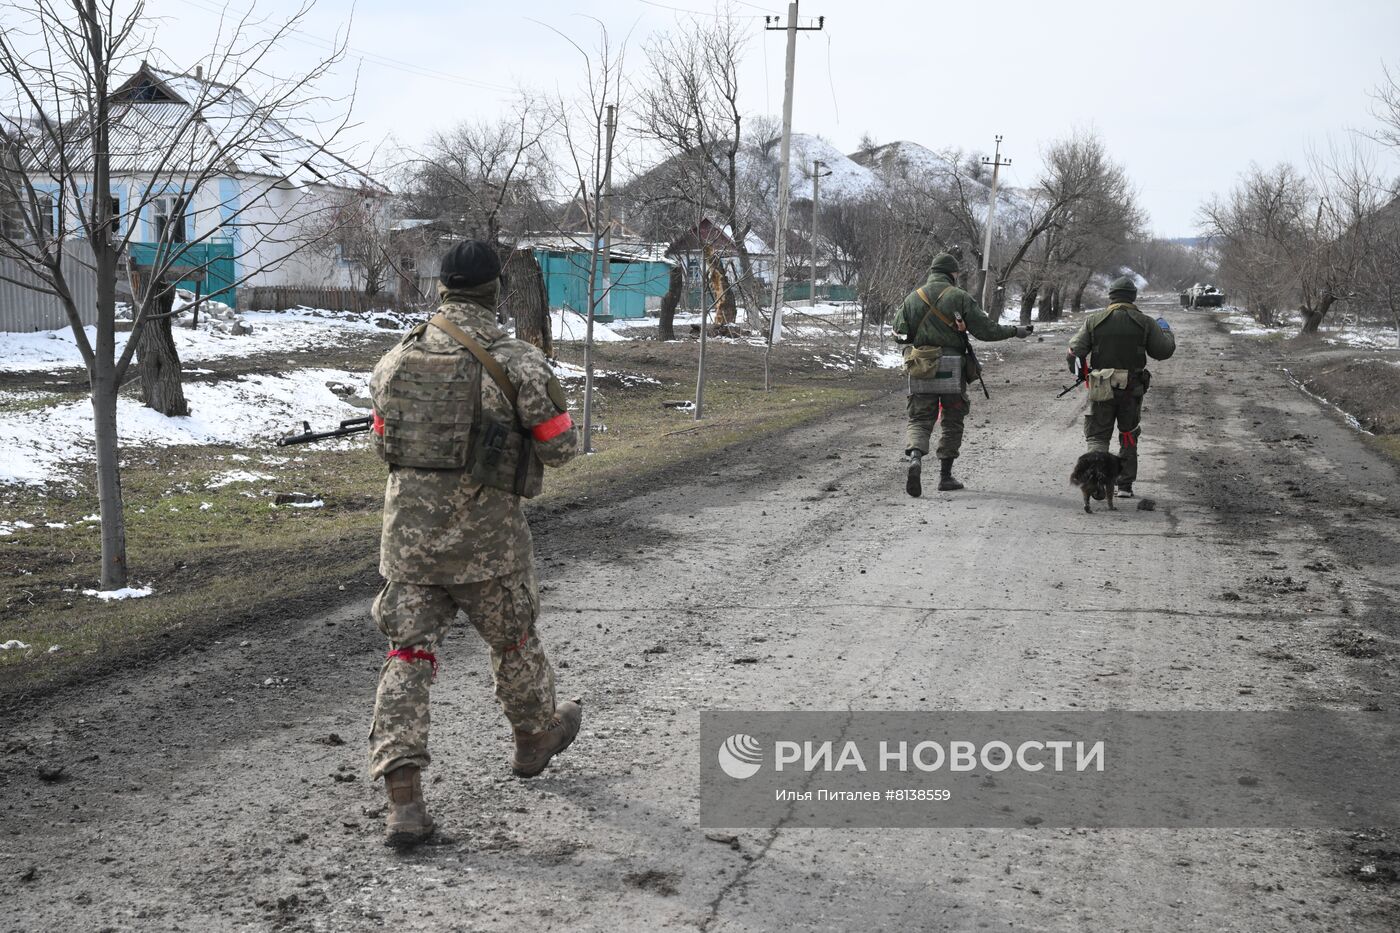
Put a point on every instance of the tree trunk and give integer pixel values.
(527, 301)
(1312, 317)
(748, 288)
(1028, 301)
(860, 335)
(725, 311)
(1046, 304)
(158, 360)
(1057, 303)
(1078, 304)
(109, 483)
(666, 322)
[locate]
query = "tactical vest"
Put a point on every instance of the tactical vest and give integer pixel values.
(431, 407)
(1119, 340)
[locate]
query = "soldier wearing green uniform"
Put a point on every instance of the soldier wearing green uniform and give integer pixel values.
(1112, 349)
(467, 417)
(933, 324)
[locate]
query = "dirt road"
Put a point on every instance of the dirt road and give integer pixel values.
(225, 789)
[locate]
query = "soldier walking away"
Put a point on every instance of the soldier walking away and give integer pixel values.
(467, 418)
(933, 325)
(1111, 350)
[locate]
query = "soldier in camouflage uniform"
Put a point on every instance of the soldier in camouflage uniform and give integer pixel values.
(455, 536)
(1113, 346)
(939, 314)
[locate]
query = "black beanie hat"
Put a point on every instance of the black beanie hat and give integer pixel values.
(468, 264)
(1122, 289)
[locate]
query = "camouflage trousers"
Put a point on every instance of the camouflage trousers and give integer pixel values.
(1125, 411)
(923, 412)
(416, 617)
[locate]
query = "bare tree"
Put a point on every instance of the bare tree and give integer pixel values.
(690, 108)
(1285, 239)
(487, 178)
(356, 230)
(68, 136)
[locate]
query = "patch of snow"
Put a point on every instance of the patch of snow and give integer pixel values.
(14, 644)
(244, 411)
(567, 372)
(53, 648)
(220, 480)
(126, 592)
(313, 504)
(273, 331)
(571, 327)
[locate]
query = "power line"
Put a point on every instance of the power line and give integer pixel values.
(713, 15)
(373, 58)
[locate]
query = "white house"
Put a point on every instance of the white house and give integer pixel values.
(196, 160)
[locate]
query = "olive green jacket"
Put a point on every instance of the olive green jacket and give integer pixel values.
(932, 332)
(1122, 337)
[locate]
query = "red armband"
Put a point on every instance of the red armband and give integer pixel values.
(549, 430)
(377, 425)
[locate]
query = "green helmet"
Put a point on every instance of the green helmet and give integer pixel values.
(946, 263)
(1122, 289)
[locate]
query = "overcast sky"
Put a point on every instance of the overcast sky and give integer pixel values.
(1186, 93)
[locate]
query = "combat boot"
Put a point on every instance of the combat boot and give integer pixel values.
(946, 483)
(913, 484)
(407, 822)
(533, 750)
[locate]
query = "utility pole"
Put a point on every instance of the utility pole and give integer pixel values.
(602, 208)
(996, 163)
(775, 324)
(817, 175)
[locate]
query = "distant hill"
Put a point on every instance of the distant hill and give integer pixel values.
(848, 179)
(902, 159)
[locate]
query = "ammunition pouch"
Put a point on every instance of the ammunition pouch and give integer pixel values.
(946, 378)
(921, 362)
(1102, 382)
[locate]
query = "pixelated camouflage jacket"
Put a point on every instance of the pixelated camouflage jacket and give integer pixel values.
(440, 527)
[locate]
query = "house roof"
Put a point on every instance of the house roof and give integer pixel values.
(157, 113)
(720, 239)
(623, 249)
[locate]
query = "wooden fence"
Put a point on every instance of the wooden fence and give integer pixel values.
(283, 298)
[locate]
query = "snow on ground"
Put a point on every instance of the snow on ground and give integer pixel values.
(571, 327)
(568, 372)
(273, 331)
(126, 592)
(48, 444)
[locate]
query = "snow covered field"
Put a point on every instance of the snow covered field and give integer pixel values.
(1359, 336)
(46, 444)
(273, 331)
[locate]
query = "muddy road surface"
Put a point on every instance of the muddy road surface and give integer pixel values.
(225, 788)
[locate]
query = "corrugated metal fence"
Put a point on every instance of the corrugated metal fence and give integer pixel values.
(22, 309)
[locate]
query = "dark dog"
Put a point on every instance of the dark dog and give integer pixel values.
(1096, 475)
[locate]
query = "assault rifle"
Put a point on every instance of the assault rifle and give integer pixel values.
(971, 355)
(347, 427)
(1082, 377)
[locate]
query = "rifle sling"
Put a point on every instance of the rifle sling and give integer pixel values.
(932, 308)
(497, 371)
